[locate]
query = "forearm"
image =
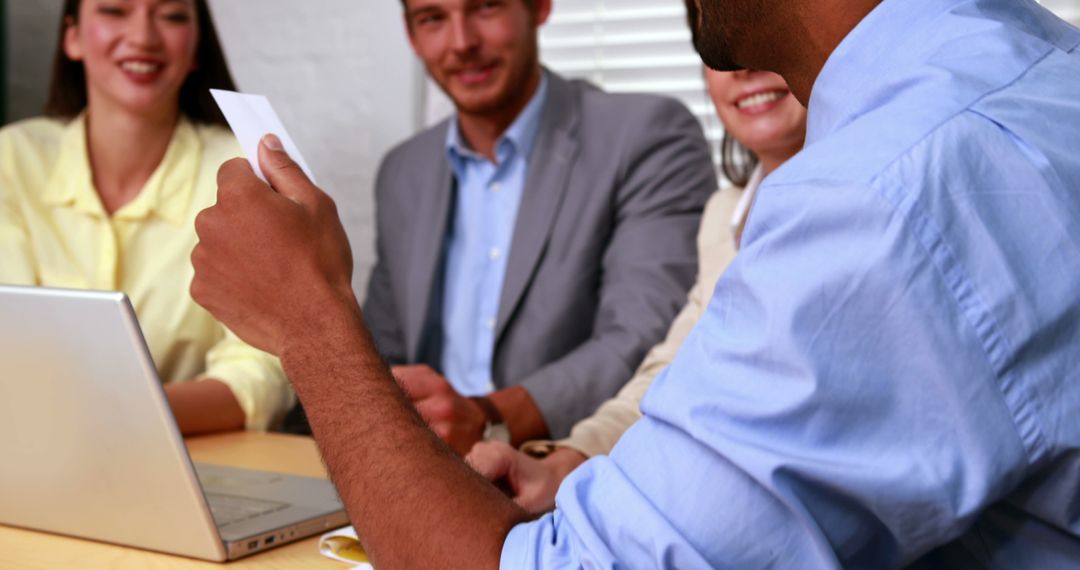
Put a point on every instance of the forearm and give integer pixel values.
(204, 406)
(255, 378)
(432, 510)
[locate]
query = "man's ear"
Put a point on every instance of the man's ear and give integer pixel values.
(72, 47)
(541, 11)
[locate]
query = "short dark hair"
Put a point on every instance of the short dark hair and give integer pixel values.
(736, 161)
(67, 91)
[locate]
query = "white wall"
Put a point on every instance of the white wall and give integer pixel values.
(344, 80)
(1067, 9)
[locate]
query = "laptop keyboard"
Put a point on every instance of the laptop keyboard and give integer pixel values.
(230, 509)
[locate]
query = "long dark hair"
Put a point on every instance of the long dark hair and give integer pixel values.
(736, 161)
(67, 91)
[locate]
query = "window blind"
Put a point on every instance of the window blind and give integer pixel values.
(1066, 9)
(629, 46)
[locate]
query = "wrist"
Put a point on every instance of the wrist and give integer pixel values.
(564, 460)
(329, 323)
(521, 414)
(495, 428)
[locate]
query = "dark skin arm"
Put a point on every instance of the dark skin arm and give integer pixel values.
(275, 267)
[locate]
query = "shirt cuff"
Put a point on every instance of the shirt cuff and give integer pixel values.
(257, 382)
(535, 545)
(515, 551)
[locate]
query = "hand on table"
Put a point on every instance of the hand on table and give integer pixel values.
(457, 420)
(533, 482)
(271, 260)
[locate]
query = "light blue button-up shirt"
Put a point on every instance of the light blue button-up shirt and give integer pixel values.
(486, 207)
(889, 373)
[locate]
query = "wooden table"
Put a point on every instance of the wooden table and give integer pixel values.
(28, 550)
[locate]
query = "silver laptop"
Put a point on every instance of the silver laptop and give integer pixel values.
(89, 447)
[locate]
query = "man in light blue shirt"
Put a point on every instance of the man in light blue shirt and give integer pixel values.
(887, 376)
(487, 199)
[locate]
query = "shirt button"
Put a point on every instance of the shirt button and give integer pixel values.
(490, 324)
(495, 187)
(494, 253)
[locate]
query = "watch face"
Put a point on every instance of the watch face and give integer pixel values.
(497, 432)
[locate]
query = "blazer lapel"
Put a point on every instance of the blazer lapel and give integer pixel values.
(545, 185)
(429, 225)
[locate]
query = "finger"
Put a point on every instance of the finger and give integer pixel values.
(283, 173)
(197, 289)
(493, 468)
(203, 223)
(443, 431)
(236, 173)
(434, 410)
(412, 387)
(403, 374)
(491, 459)
(421, 382)
(408, 369)
(532, 500)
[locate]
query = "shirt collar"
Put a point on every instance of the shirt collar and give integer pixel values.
(520, 137)
(168, 192)
(889, 38)
(71, 182)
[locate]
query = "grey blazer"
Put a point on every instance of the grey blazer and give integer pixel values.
(602, 253)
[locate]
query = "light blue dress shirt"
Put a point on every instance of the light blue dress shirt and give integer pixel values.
(889, 373)
(478, 244)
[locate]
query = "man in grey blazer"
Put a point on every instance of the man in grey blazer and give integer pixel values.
(597, 247)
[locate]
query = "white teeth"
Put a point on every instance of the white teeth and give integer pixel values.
(759, 99)
(140, 67)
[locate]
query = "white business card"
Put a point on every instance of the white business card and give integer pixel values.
(251, 117)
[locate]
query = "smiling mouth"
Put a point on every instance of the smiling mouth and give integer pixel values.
(760, 99)
(472, 76)
(145, 68)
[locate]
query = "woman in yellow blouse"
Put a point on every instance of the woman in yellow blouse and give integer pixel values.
(102, 194)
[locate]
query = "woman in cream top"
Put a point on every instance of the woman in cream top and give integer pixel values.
(760, 116)
(103, 195)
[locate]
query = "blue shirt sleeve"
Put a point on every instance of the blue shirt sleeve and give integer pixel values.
(889, 366)
(835, 405)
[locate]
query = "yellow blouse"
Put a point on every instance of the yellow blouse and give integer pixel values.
(55, 232)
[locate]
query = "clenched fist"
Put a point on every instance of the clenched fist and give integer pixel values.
(272, 261)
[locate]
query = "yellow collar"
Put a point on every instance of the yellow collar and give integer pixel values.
(167, 193)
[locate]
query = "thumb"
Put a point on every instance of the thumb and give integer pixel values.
(282, 172)
(488, 462)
